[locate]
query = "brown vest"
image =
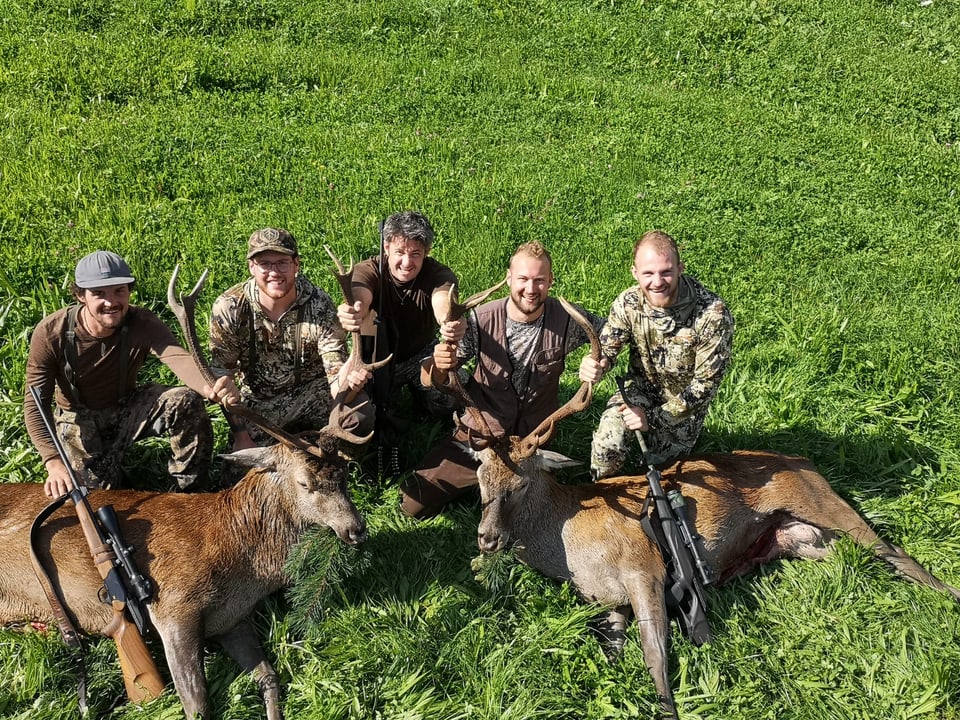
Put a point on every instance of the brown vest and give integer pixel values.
(490, 386)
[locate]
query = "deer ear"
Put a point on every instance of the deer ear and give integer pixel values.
(555, 461)
(262, 458)
(468, 449)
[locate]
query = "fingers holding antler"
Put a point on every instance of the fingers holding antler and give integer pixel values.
(345, 279)
(440, 370)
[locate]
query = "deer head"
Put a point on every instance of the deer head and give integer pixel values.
(511, 467)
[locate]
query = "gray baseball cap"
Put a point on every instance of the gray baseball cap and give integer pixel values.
(102, 269)
(274, 239)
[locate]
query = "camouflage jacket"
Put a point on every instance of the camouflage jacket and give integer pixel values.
(305, 344)
(678, 355)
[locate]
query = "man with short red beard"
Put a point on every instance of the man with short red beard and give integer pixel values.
(89, 356)
(680, 336)
(520, 344)
(277, 333)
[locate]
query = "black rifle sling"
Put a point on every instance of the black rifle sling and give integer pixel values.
(67, 629)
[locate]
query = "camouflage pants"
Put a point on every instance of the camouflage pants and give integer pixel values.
(96, 440)
(307, 407)
(407, 373)
(612, 441)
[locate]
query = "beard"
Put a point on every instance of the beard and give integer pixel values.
(526, 304)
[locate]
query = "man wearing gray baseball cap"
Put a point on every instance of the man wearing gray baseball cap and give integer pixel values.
(87, 357)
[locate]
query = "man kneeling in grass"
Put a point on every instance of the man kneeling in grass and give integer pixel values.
(680, 335)
(89, 355)
(520, 344)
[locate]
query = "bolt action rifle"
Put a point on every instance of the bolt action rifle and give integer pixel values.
(684, 586)
(125, 588)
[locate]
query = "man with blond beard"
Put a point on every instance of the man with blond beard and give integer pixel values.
(680, 335)
(520, 344)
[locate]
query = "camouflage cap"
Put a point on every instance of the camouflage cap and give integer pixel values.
(102, 269)
(273, 239)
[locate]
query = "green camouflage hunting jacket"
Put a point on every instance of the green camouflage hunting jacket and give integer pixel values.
(271, 359)
(678, 355)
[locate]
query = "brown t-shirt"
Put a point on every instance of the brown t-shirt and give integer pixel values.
(406, 308)
(97, 374)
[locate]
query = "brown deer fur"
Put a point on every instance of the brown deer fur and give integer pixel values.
(211, 557)
(750, 508)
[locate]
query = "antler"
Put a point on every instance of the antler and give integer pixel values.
(447, 309)
(580, 400)
(184, 308)
(345, 278)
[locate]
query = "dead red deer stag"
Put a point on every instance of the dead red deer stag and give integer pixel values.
(210, 557)
(749, 508)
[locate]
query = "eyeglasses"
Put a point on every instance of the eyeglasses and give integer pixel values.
(280, 266)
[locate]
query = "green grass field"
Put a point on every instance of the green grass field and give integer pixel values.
(805, 154)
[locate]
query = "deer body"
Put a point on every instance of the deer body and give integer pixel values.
(749, 507)
(211, 558)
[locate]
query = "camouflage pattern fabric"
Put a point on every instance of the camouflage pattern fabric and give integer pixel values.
(96, 440)
(407, 373)
(272, 386)
(678, 357)
(307, 407)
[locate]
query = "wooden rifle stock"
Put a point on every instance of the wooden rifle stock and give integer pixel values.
(140, 675)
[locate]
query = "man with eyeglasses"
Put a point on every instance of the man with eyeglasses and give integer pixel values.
(278, 335)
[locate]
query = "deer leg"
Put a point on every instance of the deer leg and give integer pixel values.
(242, 644)
(825, 509)
(183, 647)
(648, 602)
(611, 631)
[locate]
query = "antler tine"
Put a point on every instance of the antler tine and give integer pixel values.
(345, 278)
(580, 399)
(184, 308)
(455, 310)
(335, 425)
(591, 332)
(275, 431)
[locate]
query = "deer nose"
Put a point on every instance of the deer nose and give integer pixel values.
(489, 542)
(358, 534)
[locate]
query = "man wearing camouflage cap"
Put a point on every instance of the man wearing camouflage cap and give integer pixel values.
(279, 335)
(88, 357)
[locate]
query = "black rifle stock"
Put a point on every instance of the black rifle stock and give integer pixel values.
(113, 560)
(686, 591)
